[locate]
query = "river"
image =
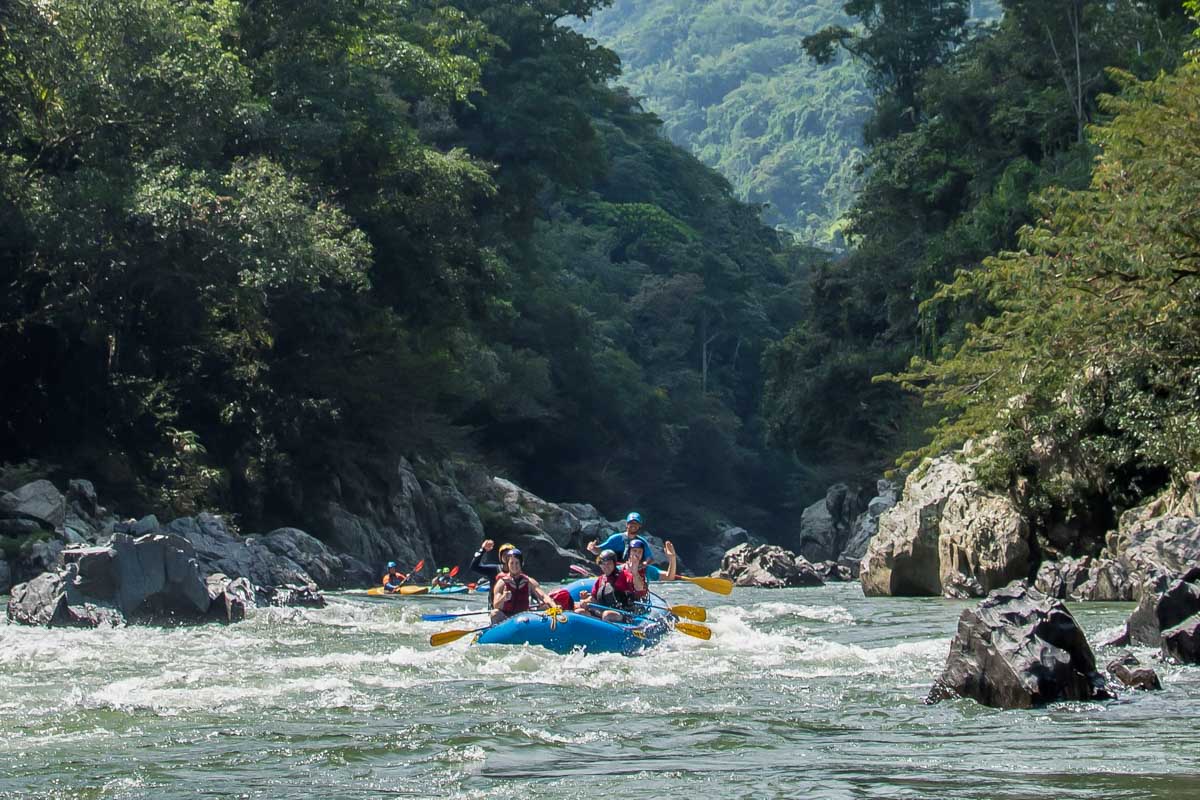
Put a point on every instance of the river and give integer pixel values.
(805, 692)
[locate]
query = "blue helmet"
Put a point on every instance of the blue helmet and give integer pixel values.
(633, 516)
(391, 565)
(639, 543)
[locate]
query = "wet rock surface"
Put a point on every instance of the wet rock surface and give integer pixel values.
(1019, 649)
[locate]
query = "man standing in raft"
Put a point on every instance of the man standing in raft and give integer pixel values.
(513, 589)
(619, 542)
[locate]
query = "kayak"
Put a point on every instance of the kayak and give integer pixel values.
(425, 592)
(571, 631)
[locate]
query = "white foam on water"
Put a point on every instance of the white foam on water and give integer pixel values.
(766, 612)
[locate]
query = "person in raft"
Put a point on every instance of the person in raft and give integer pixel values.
(513, 590)
(618, 588)
(489, 570)
(393, 579)
(618, 542)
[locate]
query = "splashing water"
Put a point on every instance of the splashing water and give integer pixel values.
(812, 692)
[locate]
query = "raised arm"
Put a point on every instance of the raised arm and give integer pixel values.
(669, 549)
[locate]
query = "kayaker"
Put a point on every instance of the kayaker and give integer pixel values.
(393, 579)
(619, 541)
(442, 579)
(513, 589)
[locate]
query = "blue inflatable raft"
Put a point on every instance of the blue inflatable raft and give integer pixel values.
(573, 631)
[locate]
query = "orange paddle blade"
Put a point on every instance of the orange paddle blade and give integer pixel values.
(717, 585)
(446, 637)
(692, 629)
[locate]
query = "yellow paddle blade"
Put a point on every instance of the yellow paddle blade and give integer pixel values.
(446, 637)
(414, 589)
(690, 612)
(692, 629)
(717, 585)
(376, 591)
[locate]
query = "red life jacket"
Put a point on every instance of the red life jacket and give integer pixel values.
(607, 591)
(626, 583)
(519, 601)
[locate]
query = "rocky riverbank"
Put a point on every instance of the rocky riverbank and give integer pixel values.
(69, 560)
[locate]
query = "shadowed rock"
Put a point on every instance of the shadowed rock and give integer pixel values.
(1182, 642)
(1165, 603)
(1019, 649)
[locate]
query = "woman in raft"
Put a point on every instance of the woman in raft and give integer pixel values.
(620, 590)
(513, 590)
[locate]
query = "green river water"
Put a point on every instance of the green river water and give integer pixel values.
(810, 693)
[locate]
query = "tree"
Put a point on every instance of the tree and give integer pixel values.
(1090, 367)
(899, 41)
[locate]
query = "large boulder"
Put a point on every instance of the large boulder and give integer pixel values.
(39, 501)
(867, 525)
(768, 567)
(153, 578)
(1181, 643)
(1086, 579)
(826, 525)
(1019, 649)
(1147, 547)
(1164, 604)
(947, 532)
(5, 576)
(283, 556)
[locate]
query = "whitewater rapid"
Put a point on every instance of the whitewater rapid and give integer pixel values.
(805, 692)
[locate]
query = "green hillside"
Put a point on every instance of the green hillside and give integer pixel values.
(731, 81)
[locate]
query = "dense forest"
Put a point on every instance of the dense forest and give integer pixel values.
(1024, 258)
(249, 246)
(731, 82)
(245, 246)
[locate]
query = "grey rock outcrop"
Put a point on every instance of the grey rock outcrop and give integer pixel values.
(867, 525)
(1182, 642)
(947, 531)
(768, 567)
(1019, 649)
(378, 518)
(153, 578)
(283, 556)
(5, 576)
(39, 501)
(1164, 604)
(826, 525)
(1086, 579)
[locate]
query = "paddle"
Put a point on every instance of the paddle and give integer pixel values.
(446, 637)
(578, 569)
(452, 615)
(412, 572)
(692, 629)
(716, 585)
(696, 613)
